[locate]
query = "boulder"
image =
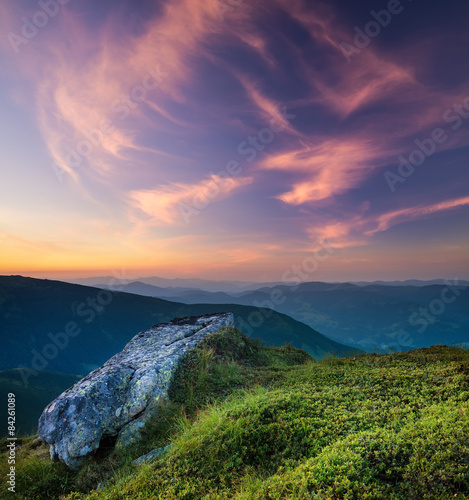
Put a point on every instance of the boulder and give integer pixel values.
(117, 399)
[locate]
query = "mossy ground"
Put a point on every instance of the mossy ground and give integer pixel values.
(248, 422)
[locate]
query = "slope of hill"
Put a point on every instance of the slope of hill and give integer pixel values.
(73, 329)
(31, 400)
(275, 425)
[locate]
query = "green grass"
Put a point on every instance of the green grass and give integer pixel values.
(247, 422)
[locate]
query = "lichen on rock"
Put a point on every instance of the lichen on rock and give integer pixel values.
(118, 398)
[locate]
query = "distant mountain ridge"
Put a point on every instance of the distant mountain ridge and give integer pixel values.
(409, 282)
(190, 283)
(233, 286)
(371, 317)
(74, 329)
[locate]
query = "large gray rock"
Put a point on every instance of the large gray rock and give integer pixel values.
(118, 398)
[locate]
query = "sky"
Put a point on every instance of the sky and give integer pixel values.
(228, 139)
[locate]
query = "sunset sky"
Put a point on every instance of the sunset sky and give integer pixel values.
(232, 139)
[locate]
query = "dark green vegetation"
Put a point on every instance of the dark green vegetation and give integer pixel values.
(31, 400)
(248, 422)
(90, 325)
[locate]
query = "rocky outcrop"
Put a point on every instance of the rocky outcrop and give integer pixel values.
(118, 398)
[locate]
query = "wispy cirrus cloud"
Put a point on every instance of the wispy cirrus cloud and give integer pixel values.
(344, 88)
(338, 234)
(395, 217)
(167, 204)
(332, 167)
(268, 108)
(385, 84)
(69, 107)
(356, 229)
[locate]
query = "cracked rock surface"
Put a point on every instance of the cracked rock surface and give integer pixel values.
(119, 397)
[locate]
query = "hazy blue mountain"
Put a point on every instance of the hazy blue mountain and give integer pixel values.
(207, 285)
(231, 287)
(73, 329)
(371, 316)
(147, 290)
(456, 302)
(408, 282)
(191, 283)
(375, 316)
(186, 295)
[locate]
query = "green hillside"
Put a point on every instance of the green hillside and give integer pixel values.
(90, 326)
(31, 400)
(247, 422)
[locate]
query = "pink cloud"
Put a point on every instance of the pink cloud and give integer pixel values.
(357, 230)
(332, 167)
(69, 108)
(371, 76)
(268, 108)
(393, 218)
(168, 204)
(338, 234)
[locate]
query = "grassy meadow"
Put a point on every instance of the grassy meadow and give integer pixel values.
(249, 422)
